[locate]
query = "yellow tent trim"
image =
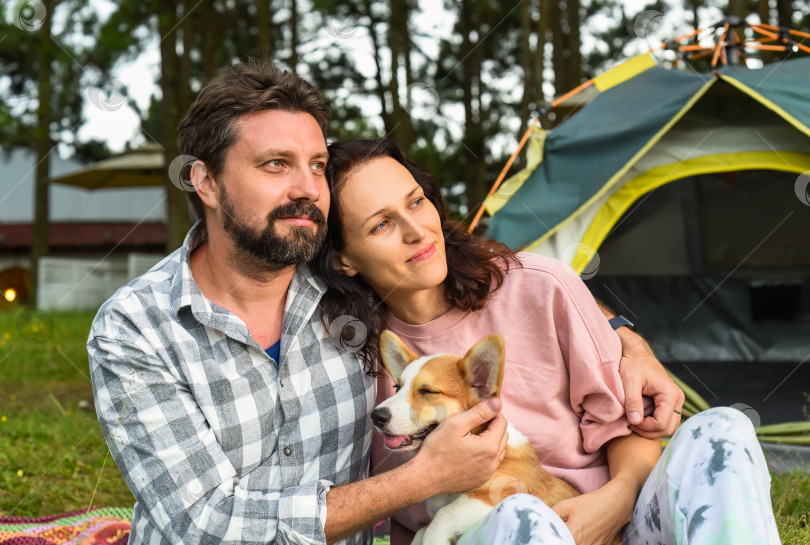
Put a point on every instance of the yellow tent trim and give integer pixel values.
(534, 156)
(618, 176)
(633, 190)
(767, 103)
(623, 72)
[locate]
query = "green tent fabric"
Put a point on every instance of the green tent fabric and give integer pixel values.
(602, 141)
(784, 83)
(730, 135)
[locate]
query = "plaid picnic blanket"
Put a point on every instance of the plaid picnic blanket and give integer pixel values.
(96, 526)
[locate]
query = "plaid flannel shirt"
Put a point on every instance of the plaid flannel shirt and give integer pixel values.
(217, 443)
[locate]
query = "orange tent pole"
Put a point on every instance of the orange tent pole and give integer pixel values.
(502, 175)
(690, 35)
(801, 46)
(768, 47)
(700, 55)
(693, 47)
(765, 32)
(741, 45)
(522, 143)
(719, 46)
(790, 30)
(572, 92)
(760, 40)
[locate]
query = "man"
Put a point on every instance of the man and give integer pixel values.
(228, 409)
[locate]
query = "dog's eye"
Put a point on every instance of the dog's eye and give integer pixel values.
(425, 391)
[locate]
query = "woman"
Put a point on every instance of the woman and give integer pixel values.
(393, 260)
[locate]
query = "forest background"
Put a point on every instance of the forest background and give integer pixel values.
(453, 82)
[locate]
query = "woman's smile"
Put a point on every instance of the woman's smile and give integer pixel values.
(389, 227)
(423, 254)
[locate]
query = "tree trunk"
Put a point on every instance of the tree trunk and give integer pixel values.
(764, 10)
(177, 217)
(210, 38)
(43, 146)
(784, 13)
(559, 39)
(385, 113)
(402, 130)
(540, 55)
(527, 63)
(738, 8)
(575, 75)
(264, 27)
(294, 34)
(475, 166)
(184, 89)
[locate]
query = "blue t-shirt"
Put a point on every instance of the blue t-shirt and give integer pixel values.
(274, 351)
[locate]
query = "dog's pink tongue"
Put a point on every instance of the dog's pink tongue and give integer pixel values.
(393, 441)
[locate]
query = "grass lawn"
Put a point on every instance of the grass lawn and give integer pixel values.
(53, 457)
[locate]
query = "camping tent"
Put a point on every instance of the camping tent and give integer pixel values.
(682, 199)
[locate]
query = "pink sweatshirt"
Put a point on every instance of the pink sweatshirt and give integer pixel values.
(561, 385)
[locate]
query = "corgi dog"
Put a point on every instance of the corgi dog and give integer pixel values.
(429, 390)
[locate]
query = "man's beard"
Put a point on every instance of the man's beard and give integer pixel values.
(269, 249)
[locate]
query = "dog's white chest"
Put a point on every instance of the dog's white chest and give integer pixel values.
(452, 515)
(434, 503)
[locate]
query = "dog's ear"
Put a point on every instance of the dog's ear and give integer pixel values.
(395, 355)
(482, 366)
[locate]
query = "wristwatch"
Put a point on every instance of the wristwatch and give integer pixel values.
(618, 321)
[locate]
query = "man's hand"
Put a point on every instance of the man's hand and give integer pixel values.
(596, 517)
(451, 459)
(643, 375)
(458, 460)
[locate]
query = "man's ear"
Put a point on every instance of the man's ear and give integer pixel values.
(395, 355)
(482, 366)
(204, 184)
(344, 265)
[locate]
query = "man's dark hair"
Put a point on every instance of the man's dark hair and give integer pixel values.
(210, 126)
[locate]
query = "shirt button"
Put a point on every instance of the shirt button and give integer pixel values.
(281, 382)
(287, 451)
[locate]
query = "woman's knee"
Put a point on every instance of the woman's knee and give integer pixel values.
(530, 520)
(720, 423)
(519, 502)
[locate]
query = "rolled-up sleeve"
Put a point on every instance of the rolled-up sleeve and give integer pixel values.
(177, 470)
(592, 351)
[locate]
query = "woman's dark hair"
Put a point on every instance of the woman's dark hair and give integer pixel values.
(350, 306)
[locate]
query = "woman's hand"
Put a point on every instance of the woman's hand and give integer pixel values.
(596, 517)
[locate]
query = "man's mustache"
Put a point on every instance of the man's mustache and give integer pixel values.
(297, 208)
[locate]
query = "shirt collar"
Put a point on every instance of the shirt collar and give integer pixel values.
(184, 290)
(303, 295)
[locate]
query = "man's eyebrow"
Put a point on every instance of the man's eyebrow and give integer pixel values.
(268, 154)
(381, 210)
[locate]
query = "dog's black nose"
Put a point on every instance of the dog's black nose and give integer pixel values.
(380, 417)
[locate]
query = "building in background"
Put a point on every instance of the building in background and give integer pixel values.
(99, 239)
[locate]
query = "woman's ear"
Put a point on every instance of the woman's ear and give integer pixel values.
(344, 265)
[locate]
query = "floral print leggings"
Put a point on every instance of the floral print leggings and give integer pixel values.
(710, 487)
